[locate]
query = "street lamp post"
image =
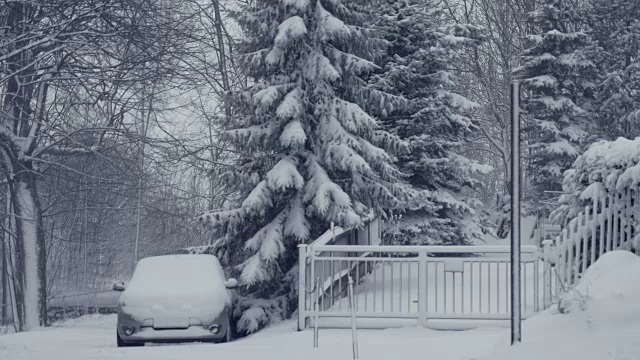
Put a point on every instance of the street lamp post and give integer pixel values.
(516, 311)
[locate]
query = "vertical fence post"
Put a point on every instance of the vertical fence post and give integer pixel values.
(609, 223)
(546, 245)
(354, 333)
(585, 239)
(570, 254)
(564, 250)
(616, 217)
(627, 217)
(636, 206)
(422, 287)
(601, 221)
(302, 287)
(557, 281)
(580, 265)
(594, 226)
(316, 310)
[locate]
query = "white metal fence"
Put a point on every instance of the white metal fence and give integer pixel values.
(420, 282)
(605, 225)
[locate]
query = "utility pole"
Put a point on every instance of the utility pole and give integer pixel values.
(4, 271)
(85, 234)
(4, 283)
(516, 311)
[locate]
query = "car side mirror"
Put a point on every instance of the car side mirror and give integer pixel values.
(118, 286)
(231, 283)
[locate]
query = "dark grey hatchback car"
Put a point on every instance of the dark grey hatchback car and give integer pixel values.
(176, 298)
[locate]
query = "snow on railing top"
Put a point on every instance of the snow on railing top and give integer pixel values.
(328, 236)
(333, 233)
(448, 249)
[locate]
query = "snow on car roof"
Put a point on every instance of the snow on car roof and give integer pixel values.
(176, 285)
(184, 271)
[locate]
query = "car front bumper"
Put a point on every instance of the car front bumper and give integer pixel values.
(197, 331)
(193, 333)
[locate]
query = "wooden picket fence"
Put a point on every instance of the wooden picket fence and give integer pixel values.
(605, 225)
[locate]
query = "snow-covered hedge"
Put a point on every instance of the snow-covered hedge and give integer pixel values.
(606, 168)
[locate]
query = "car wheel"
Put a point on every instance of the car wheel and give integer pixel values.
(119, 340)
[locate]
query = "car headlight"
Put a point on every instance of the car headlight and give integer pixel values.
(128, 330)
(215, 329)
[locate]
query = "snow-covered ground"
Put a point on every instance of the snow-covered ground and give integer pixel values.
(600, 320)
(527, 225)
(93, 338)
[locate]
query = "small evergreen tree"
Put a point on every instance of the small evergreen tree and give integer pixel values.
(615, 28)
(559, 89)
(308, 153)
(417, 66)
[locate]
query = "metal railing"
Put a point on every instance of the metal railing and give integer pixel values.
(421, 282)
(354, 332)
(352, 309)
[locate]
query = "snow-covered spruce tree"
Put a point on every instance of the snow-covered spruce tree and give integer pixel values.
(615, 29)
(417, 66)
(559, 90)
(309, 154)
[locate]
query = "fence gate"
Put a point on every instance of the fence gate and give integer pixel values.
(400, 284)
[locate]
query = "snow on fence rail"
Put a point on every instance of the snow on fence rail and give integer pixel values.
(605, 225)
(420, 282)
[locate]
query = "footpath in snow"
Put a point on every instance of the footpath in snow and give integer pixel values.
(599, 320)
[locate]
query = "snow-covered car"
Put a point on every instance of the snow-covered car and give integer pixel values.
(175, 298)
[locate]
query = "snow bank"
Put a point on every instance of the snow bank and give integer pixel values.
(609, 291)
(599, 319)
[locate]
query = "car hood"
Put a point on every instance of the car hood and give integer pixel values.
(200, 304)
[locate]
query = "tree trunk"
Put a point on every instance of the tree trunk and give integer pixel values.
(11, 257)
(30, 238)
(4, 282)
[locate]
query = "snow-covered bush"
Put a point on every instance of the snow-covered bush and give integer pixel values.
(606, 168)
